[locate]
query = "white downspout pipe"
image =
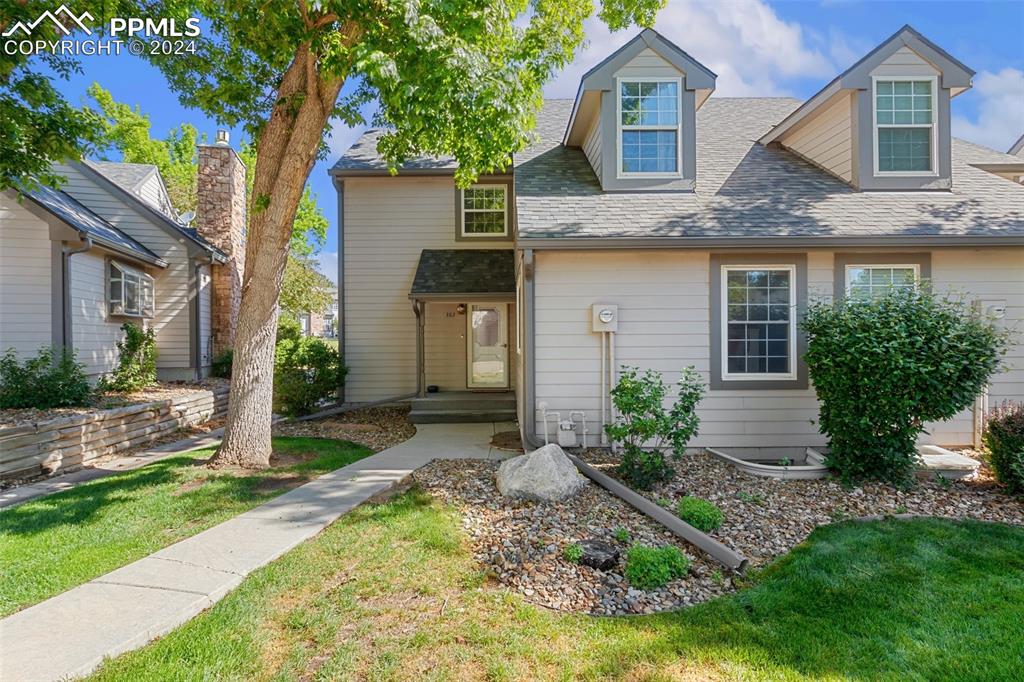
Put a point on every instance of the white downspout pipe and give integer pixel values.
(604, 388)
(613, 378)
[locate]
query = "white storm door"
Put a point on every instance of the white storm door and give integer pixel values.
(487, 345)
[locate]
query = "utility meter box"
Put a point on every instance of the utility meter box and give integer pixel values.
(605, 317)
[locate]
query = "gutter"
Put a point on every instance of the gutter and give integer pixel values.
(774, 242)
(67, 341)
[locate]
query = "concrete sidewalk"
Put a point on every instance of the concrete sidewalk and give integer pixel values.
(70, 634)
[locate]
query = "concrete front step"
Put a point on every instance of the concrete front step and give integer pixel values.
(448, 416)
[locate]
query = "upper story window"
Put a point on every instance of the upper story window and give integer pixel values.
(485, 211)
(648, 130)
(759, 327)
(905, 126)
(130, 291)
(870, 281)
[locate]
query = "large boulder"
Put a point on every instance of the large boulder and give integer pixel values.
(546, 475)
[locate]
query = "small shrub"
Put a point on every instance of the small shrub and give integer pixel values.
(50, 379)
(644, 426)
(136, 362)
(621, 534)
(221, 365)
(572, 553)
(1004, 438)
(648, 568)
(663, 502)
(884, 367)
(700, 514)
(306, 372)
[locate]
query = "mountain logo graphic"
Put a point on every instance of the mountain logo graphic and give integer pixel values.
(69, 19)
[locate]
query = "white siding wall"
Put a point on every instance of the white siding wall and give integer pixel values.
(592, 143)
(827, 139)
(388, 222)
(94, 333)
(205, 317)
(664, 317)
(25, 279)
(171, 321)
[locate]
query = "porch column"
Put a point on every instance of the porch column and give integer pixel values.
(419, 307)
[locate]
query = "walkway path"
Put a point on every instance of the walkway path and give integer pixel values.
(70, 634)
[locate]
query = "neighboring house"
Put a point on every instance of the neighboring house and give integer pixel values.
(331, 317)
(656, 226)
(108, 247)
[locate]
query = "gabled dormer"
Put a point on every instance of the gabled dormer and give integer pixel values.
(884, 123)
(635, 116)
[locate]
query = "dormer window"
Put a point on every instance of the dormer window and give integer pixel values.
(904, 126)
(648, 130)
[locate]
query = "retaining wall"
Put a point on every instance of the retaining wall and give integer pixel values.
(65, 444)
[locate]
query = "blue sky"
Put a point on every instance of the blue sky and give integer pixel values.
(757, 47)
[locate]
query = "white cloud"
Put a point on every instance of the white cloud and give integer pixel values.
(327, 263)
(999, 120)
(745, 42)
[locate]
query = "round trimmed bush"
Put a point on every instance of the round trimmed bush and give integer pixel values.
(1004, 438)
(648, 568)
(699, 513)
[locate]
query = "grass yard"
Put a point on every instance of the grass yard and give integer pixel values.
(390, 592)
(55, 543)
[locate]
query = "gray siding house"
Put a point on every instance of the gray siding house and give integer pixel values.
(108, 247)
(652, 224)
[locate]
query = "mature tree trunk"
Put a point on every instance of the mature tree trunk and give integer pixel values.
(285, 155)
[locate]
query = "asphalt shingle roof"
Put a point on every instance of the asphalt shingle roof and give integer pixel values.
(465, 271)
(72, 212)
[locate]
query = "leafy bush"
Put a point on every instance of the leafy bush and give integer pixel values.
(221, 365)
(50, 379)
(644, 426)
(621, 534)
(136, 362)
(648, 568)
(1004, 438)
(573, 553)
(884, 367)
(700, 514)
(288, 329)
(306, 372)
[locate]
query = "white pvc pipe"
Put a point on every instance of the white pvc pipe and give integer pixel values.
(612, 378)
(604, 391)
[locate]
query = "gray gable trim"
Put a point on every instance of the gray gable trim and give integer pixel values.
(858, 76)
(148, 211)
(1017, 147)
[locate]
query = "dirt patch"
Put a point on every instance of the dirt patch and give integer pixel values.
(508, 440)
(279, 483)
(378, 428)
(189, 486)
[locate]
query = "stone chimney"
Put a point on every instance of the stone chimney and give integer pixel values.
(221, 220)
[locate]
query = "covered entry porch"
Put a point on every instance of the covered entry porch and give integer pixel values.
(464, 301)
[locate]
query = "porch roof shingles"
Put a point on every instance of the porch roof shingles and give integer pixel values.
(464, 271)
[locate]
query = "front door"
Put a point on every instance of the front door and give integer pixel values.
(487, 345)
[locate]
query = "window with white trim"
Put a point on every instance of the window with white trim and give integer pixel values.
(904, 126)
(485, 211)
(130, 292)
(759, 324)
(870, 281)
(648, 127)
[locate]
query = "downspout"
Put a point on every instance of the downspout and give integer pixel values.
(67, 340)
(339, 185)
(529, 427)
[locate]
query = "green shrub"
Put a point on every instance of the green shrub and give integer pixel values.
(572, 553)
(700, 514)
(644, 426)
(221, 365)
(136, 361)
(648, 568)
(884, 367)
(1004, 438)
(288, 329)
(306, 372)
(621, 534)
(50, 379)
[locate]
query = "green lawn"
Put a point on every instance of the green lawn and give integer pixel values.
(391, 592)
(55, 543)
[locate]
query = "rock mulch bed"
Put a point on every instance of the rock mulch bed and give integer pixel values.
(766, 517)
(378, 428)
(521, 543)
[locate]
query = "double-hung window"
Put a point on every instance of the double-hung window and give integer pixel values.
(759, 324)
(870, 281)
(904, 111)
(485, 211)
(130, 291)
(648, 128)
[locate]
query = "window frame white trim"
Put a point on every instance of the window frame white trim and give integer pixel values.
(726, 375)
(144, 278)
(623, 175)
(462, 213)
(934, 125)
(880, 266)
